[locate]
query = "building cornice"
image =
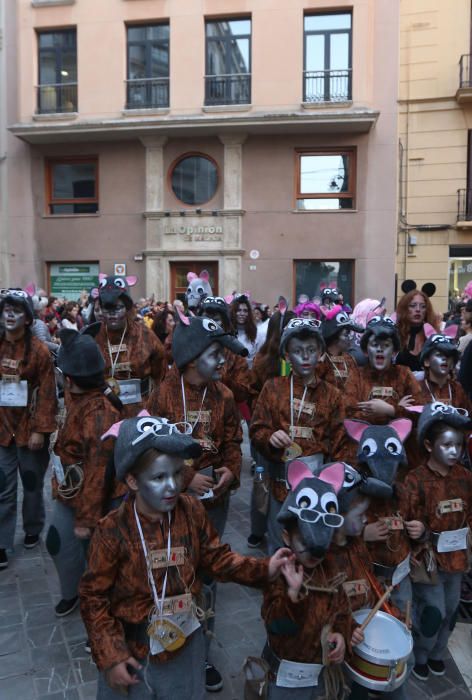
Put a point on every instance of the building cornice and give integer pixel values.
(353, 120)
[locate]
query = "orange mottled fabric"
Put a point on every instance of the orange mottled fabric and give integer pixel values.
(115, 588)
(392, 551)
(88, 416)
(451, 393)
(337, 370)
(218, 428)
(39, 416)
(143, 351)
(236, 377)
(323, 413)
(424, 491)
(351, 561)
(294, 629)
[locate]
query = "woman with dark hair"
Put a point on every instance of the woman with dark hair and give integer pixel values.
(27, 417)
(413, 311)
(69, 316)
(242, 320)
(163, 326)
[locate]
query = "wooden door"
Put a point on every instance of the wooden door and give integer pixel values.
(178, 276)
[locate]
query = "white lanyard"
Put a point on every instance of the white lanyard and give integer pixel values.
(185, 404)
(337, 373)
(433, 396)
(302, 403)
(114, 362)
(158, 603)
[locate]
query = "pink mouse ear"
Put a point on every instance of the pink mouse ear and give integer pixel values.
(143, 413)
(229, 298)
(131, 280)
(184, 319)
(334, 475)
(30, 289)
(333, 312)
(102, 276)
(94, 293)
(204, 275)
(402, 426)
(191, 276)
(297, 471)
(415, 409)
(451, 331)
(355, 428)
(429, 330)
(112, 431)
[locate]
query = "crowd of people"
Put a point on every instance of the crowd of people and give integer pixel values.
(358, 422)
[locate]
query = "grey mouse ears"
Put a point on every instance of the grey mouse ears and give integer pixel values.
(428, 288)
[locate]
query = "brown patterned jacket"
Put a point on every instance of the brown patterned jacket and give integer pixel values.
(88, 416)
(294, 629)
(322, 414)
(236, 377)
(352, 560)
(142, 356)
(40, 414)
(115, 587)
(218, 428)
(337, 370)
(451, 393)
(398, 545)
(424, 491)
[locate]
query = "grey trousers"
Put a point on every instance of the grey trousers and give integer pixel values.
(274, 528)
(434, 616)
(66, 550)
(32, 465)
(181, 678)
(218, 517)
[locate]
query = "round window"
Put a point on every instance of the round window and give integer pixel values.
(194, 179)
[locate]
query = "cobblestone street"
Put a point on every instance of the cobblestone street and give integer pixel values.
(43, 657)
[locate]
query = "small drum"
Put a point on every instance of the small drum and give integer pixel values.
(379, 663)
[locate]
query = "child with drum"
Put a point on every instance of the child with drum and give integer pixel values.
(439, 493)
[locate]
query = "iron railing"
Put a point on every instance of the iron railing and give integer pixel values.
(230, 89)
(464, 205)
(56, 98)
(465, 80)
(327, 85)
(147, 93)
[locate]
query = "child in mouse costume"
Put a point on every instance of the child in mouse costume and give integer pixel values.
(439, 357)
(306, 612)
(134, 355)
(337, 364)
(138, 595)
(439, 494)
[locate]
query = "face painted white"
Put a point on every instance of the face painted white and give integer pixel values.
(214, 315)
(447, 449)
(14, 317)
(210, 363)
(439, 364)
(114, 316)
(379, 352)
(160, 483)
(343, 341)
(303, 355)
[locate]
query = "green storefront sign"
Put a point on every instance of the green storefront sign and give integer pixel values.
(70, 280)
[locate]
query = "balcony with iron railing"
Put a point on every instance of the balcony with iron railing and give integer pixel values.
(230, 89)
(464, 208)
(57, 98)
(464, 91)
(147, 93)
(327, 86)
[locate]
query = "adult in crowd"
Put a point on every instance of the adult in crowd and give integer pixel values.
(414, 310)
(242, 320)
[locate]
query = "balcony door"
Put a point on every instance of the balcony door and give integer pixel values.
(327, 57)
(228, 62)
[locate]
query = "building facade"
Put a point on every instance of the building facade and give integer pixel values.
(256, 140)
(435, 123)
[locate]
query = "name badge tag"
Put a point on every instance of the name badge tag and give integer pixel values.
(14, 394)
(383, 392)
(200, 416)
(57, 468)
(453, 505)
(308, 408)
(401, 571)
(119, 348)
(130, 391)
(10, 364)
(123, 367)
(353, 588)
(299, 431)
(159, 559)
(393, 523)
(452, 540)
(293, 675)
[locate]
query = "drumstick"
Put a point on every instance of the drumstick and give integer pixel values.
(376, 608)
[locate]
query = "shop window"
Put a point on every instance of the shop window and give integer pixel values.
(325, 179)
(460, 272)
(148, 66)
(72, 186)
(194, 178)
(312, 276)
(57, 64)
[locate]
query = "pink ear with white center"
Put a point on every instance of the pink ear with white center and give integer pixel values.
(30, 289)
(451, 331)
(205, 275)
(113, 431)
(415, 409)
(297, 471)
(402, 427)
(102, 276)
(429, 330)
(333, 475)
(355, 428)
(131, 280)
(191, 276)
(185, 319)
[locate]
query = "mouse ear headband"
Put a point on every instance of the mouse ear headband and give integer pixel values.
(428, 288)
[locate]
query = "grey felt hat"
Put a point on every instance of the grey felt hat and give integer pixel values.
(442, 343)
(194, 335)
(300, 327)
(20, 298)
(79, 354)
(381, 326)
(457, 418)
(144, 432)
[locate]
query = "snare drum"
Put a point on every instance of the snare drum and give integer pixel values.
(379, 663)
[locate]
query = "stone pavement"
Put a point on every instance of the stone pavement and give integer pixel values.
(43, 657)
